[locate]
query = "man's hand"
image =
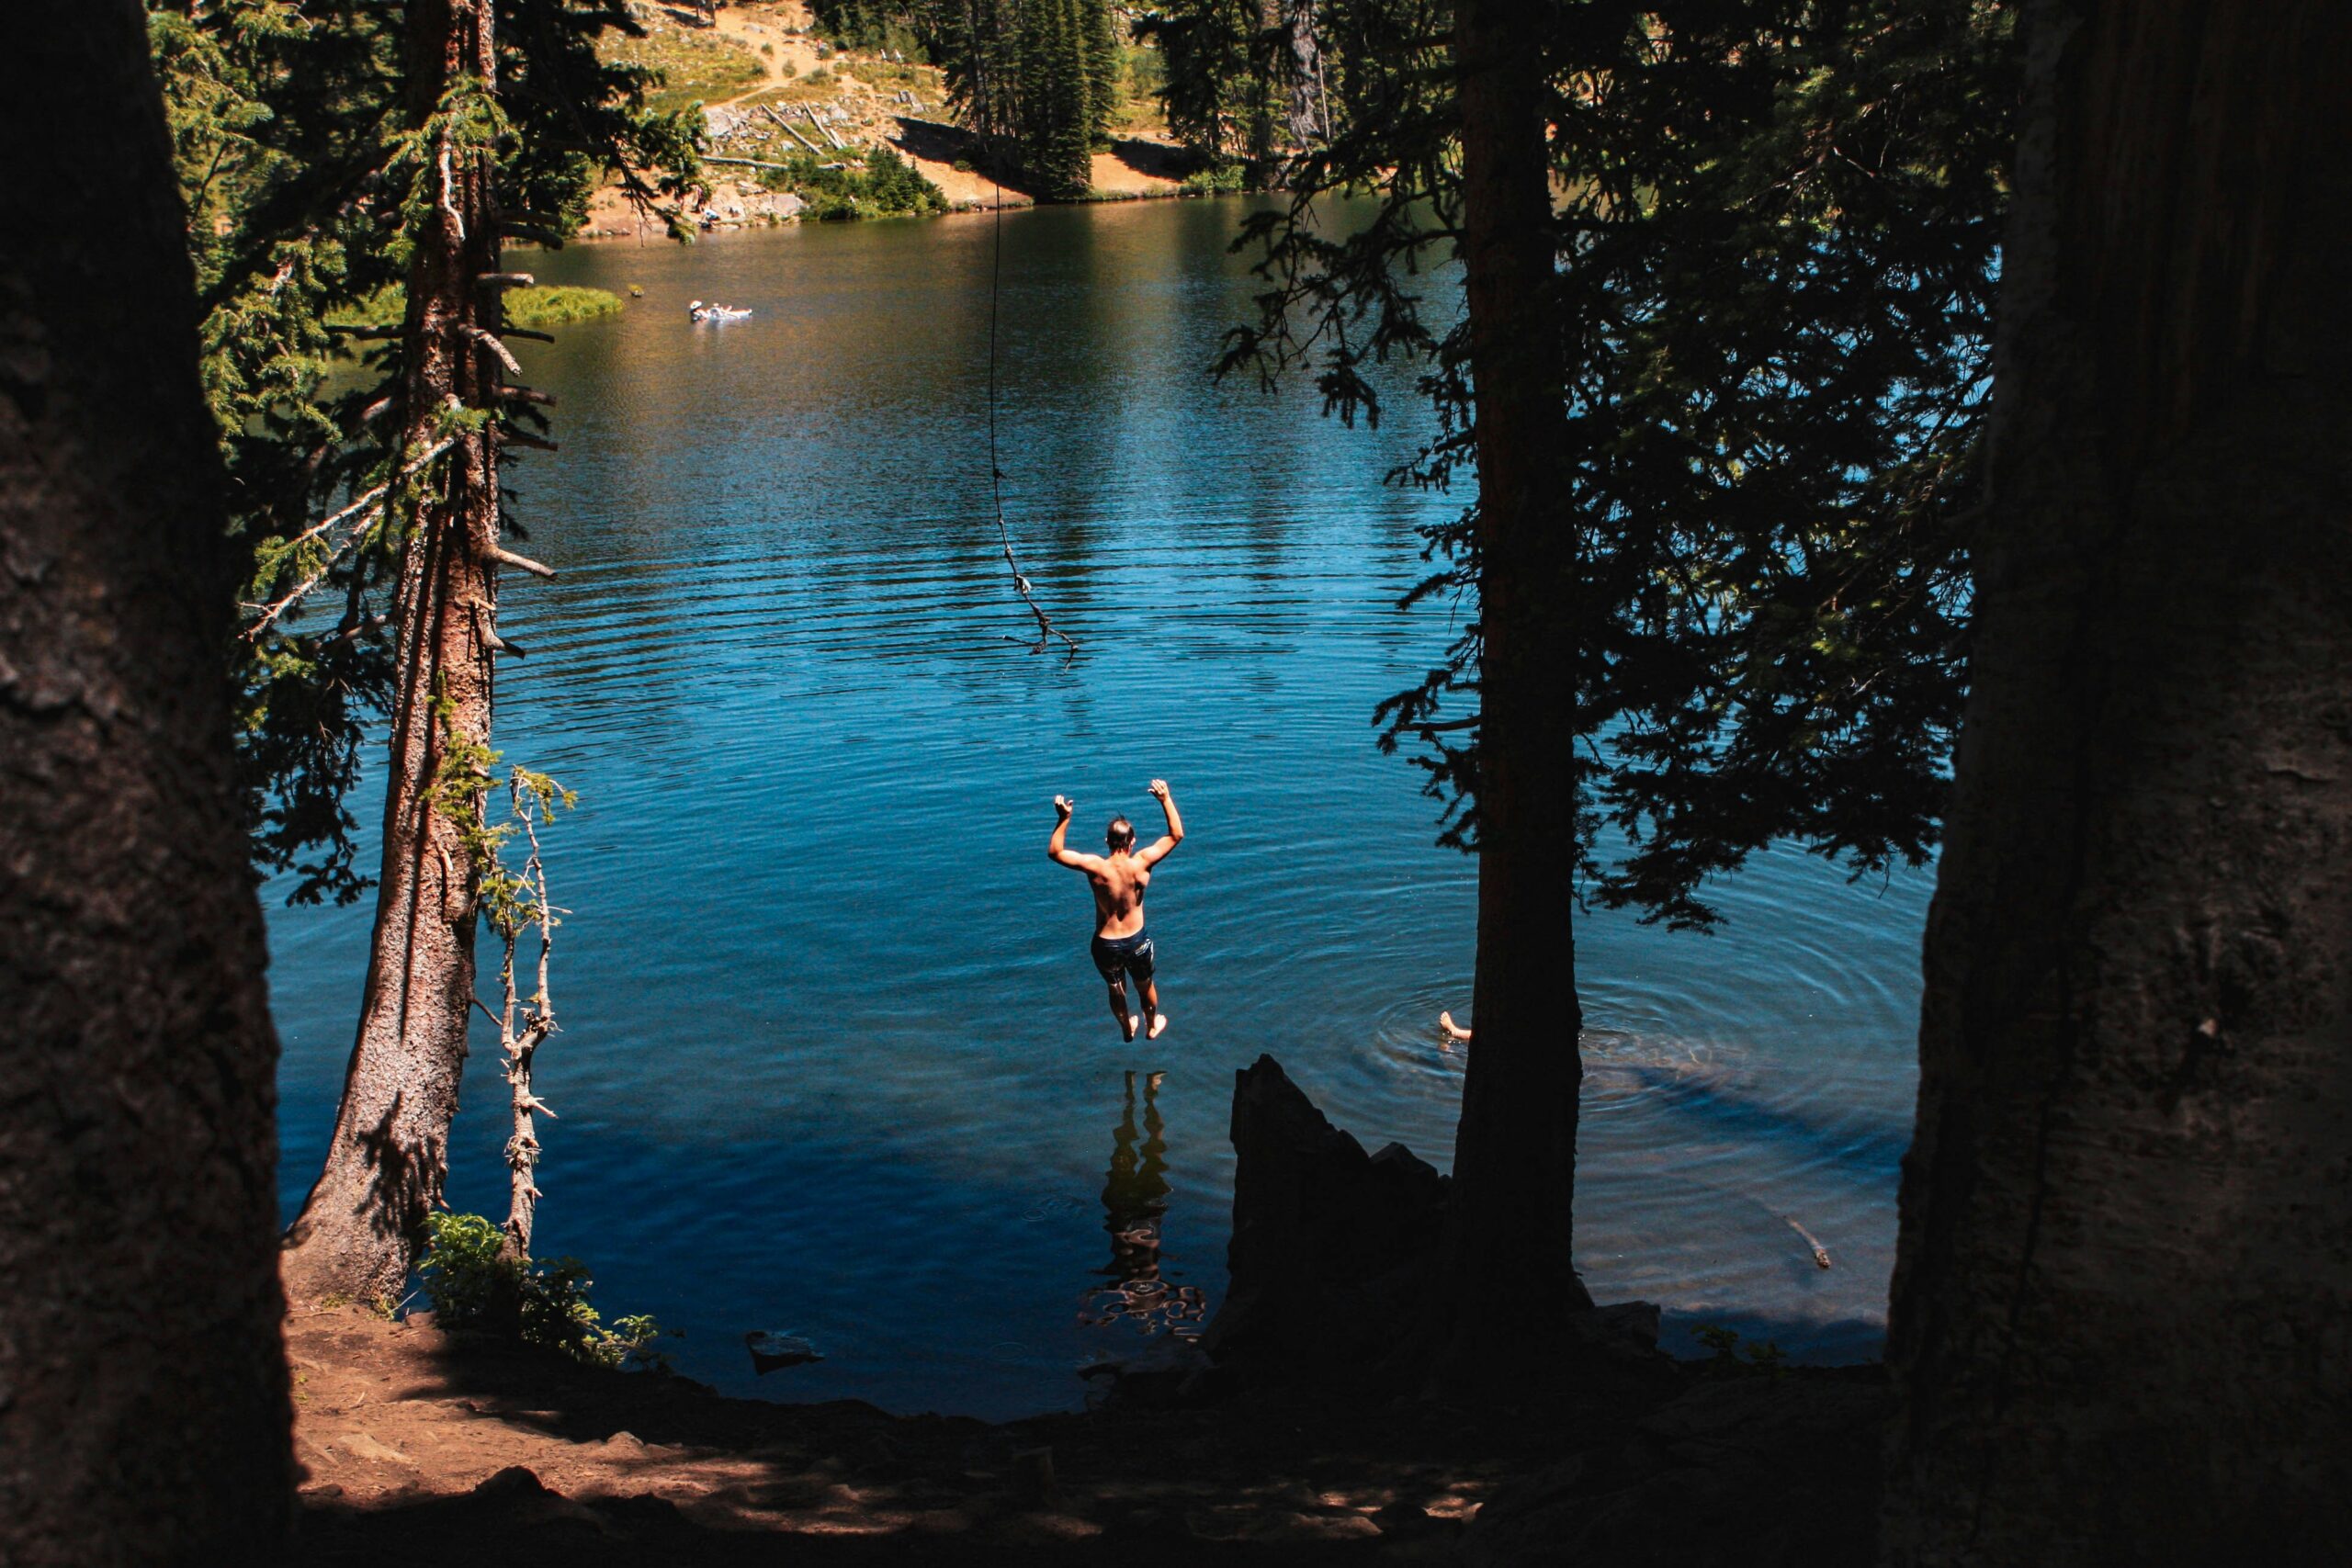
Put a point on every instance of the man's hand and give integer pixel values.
(1175, 834)
(1062, 809)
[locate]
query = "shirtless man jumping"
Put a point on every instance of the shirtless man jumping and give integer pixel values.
(1121, 949)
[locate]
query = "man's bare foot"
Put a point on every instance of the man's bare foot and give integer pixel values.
(1159, 1022)
(1450, 1029)
(1131, 1025)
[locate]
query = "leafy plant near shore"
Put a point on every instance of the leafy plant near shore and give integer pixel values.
(1217, 180)
(543, 1302)
(882, 185)
(553, 305)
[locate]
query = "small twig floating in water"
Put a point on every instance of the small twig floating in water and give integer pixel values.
(1820, 1253)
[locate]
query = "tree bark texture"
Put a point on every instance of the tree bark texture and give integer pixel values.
(1308, 112)
(144, 1414)
(384, 1170)
(1514, 1170)
(2122, 1304)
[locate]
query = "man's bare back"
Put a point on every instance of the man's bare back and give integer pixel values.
(1118, 878)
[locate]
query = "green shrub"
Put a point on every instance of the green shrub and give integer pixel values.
(881, 185)
(1218, 180)
(544, 1302)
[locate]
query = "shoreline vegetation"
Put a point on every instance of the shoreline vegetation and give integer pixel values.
(832, 113)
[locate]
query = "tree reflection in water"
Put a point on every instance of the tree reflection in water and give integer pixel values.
(1134, 1201)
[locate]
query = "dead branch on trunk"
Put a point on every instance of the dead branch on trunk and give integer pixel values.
(521, 563)
(515, 903)
(371, 504)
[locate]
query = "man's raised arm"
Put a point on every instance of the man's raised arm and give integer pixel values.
(1175, 834)
(1054, 850)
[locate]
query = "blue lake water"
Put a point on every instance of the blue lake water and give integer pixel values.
(834, 1060)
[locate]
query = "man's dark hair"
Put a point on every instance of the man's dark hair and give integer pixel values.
(1120, 834)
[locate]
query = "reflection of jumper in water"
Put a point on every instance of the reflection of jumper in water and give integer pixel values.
(1135, 1201)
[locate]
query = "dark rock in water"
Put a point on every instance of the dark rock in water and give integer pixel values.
(1164, 1371)
(1758, 1470)
(771, 1352)
(1332, 1253)
(1329, 1243)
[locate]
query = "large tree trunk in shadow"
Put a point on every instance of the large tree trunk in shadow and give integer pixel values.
(384, 1170)
(144, 1413)
(1510, 1229)
(2126, 1258)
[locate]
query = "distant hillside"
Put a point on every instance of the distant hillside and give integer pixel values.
(775, 91)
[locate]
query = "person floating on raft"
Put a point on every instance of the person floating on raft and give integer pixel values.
(1120, 948)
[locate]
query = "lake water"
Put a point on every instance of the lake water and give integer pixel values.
(834, 1060)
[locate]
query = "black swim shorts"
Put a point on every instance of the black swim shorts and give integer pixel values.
(1118, 956)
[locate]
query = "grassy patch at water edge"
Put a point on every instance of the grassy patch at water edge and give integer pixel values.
(557, 305)
(552, 306)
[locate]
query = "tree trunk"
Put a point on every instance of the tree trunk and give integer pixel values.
(385, 1166)
(2126, 1258)
(144, 1414)
(1510, 1234)
(1309, 111)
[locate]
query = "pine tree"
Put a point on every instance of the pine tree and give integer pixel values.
(1106, 70)
(327, 152)
(1056, 135)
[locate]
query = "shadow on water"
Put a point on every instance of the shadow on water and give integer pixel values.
(1715, 1099)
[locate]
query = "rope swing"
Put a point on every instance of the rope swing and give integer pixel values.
(1046, 631)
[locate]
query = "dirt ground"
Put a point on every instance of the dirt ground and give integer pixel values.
(409, 1441)
(418, 1447)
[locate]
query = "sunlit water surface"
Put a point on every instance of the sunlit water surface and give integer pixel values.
(834, 1058)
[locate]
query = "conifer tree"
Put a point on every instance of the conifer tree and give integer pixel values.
(328, 152)
(1055, 131)
(1770, 234)
(1105, 69)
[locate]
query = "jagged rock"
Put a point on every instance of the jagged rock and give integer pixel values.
(1328, 1243)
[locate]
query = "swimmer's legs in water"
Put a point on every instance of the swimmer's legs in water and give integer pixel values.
(1128, 1022)
(1157, 1019)
(1450, 1030)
